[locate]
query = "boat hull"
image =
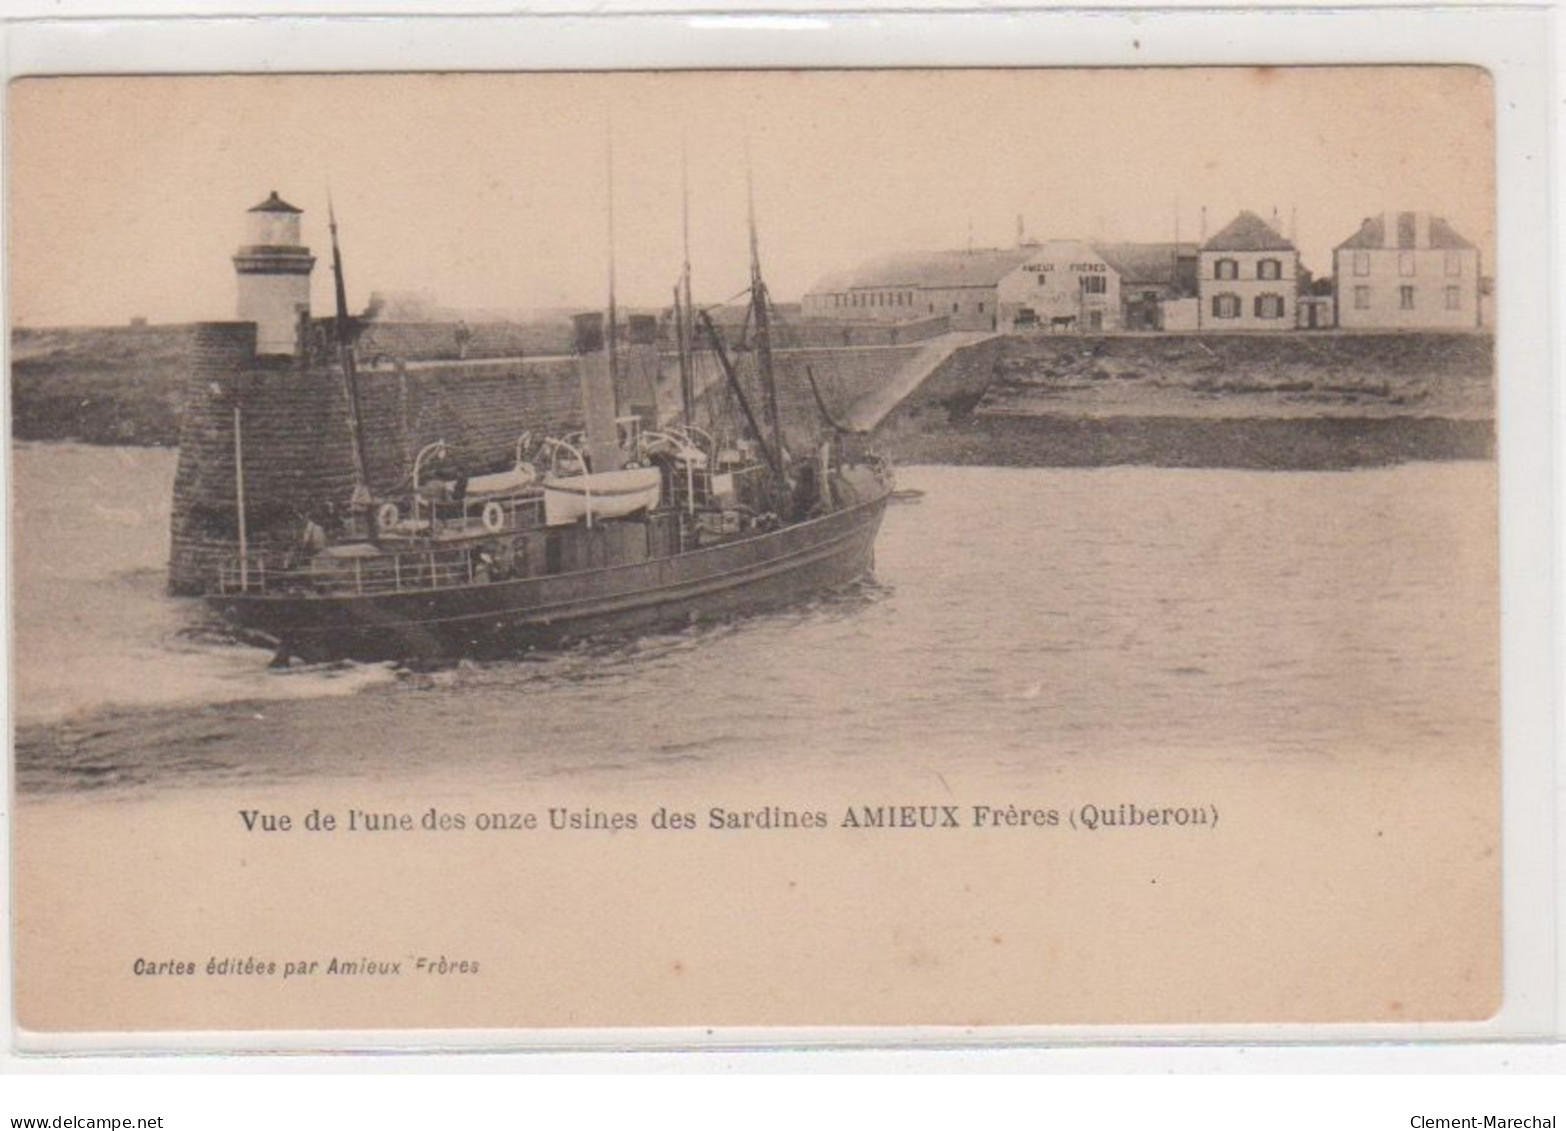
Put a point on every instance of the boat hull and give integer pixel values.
(506, 617)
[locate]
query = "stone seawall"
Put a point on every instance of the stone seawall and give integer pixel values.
(844, 376)
(452, 341)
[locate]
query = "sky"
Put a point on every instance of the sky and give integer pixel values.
(127, 196)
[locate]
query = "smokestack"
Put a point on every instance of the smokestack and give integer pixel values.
(638, 374)
(598, 407)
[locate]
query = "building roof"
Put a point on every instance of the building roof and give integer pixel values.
(931, 270)
(275, 203)
(1145, 262)
(1248, 232)
(1372, 234)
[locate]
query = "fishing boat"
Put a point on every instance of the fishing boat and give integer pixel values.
(630, 525)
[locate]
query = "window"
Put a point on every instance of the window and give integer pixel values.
(1094, 285)
(932, 308)
(1454, 263)
(1454, 298)
(1269, 269)
(1226, 269)
(1362, 263)
(1405, 263)
(981, 308)
(1269, 306)
(1405, 298)
(1226, 306)
(1042, 279)
(1361, 298)
(954, 308)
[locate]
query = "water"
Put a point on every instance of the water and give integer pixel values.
(1016, 615)
(1311, 656)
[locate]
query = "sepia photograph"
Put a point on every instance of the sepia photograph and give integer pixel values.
(975, 549)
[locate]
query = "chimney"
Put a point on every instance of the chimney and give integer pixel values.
(1422, 229)
(637, 374)
(598, 407)
(1389, 230)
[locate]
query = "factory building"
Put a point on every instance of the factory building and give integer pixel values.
(1060, 285)
(1404, 271)
(957, 285)
(1046, 285)
(1248, 278)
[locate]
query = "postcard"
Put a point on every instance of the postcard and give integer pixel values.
(717, 550)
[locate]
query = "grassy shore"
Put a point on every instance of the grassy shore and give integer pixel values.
(1281, 444)
(117, 385)
(1280, 401)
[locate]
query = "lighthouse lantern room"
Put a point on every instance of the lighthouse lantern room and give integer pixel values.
(274, 276)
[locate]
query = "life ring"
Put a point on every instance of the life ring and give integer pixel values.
(387, 516)
(494, 517)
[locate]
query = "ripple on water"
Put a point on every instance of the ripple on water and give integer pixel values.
(1073, 615)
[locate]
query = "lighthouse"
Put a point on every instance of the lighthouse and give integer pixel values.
(274, 276)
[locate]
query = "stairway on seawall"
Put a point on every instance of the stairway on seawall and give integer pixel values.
(875, 405)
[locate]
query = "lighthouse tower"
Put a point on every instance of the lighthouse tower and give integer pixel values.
(274, 276)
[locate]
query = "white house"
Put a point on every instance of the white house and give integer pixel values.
(1407, 270)
(1247, 277)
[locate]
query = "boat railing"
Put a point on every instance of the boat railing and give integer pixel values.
(518, 512)
(325, 575)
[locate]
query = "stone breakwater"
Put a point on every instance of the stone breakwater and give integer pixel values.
(1296, 400)
(296, 446)
(297, 450)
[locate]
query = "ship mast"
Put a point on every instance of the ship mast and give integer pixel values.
(758, 301)
(345, 355)
(614, 335)
(684, 329)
